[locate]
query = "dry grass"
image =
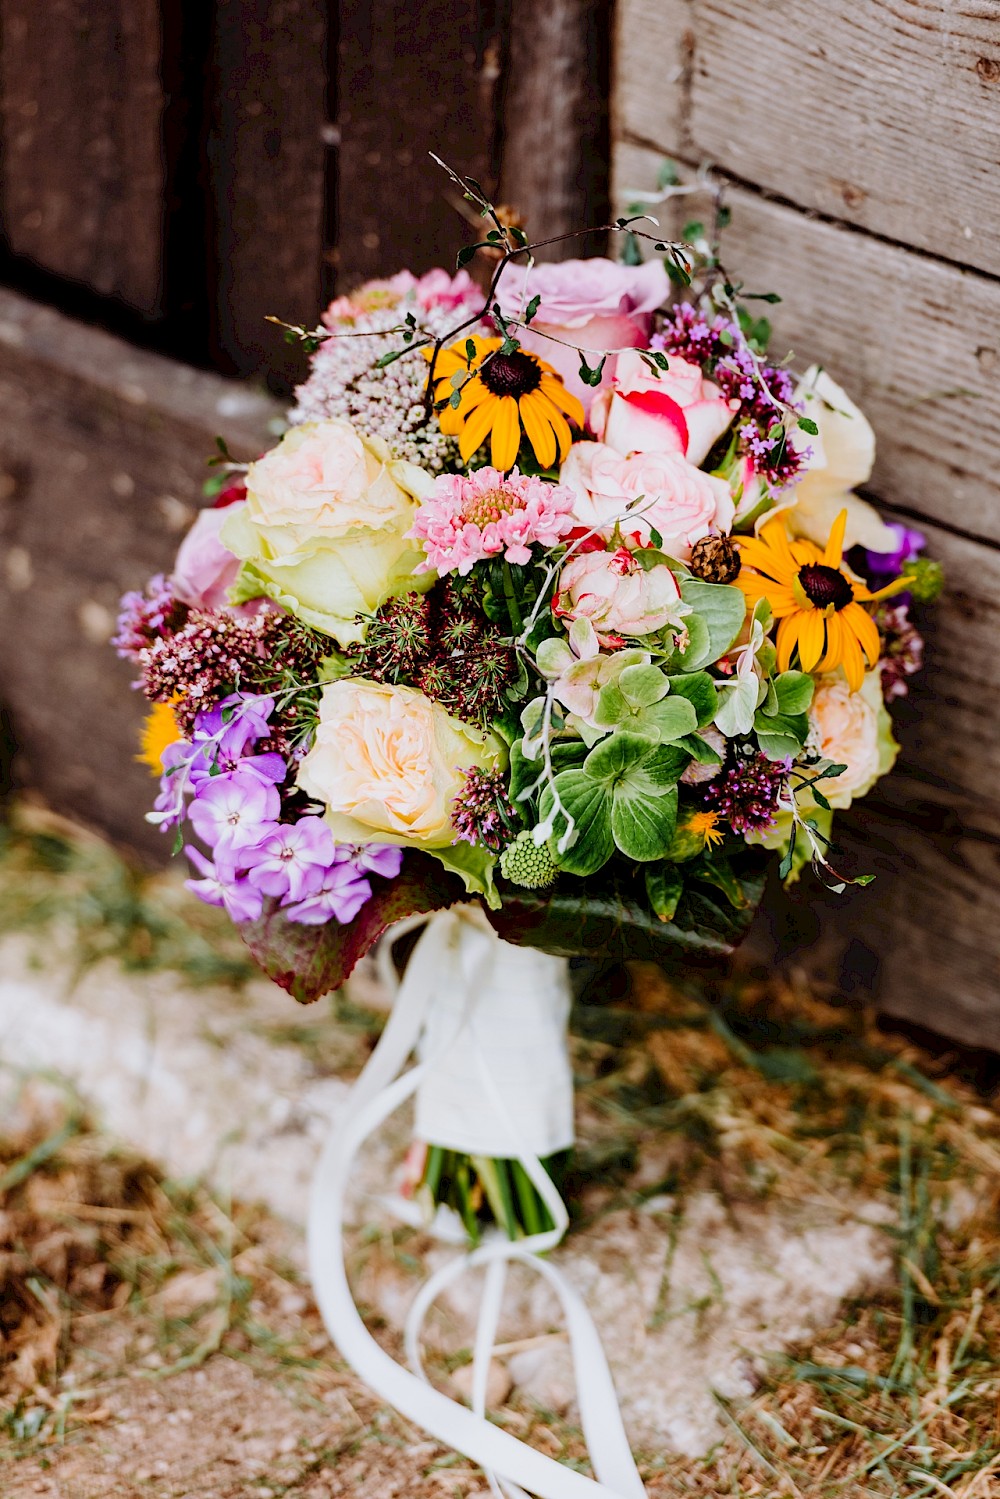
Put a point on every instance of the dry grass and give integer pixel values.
(114, 1280)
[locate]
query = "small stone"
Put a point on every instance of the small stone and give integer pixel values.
(498, 1384)
(715, 559)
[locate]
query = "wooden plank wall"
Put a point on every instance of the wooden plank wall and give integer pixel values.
(860, 144)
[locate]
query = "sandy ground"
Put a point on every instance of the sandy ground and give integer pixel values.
(236, 1088)
(747, 1224)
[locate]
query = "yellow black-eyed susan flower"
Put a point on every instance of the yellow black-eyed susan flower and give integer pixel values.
(503, 395)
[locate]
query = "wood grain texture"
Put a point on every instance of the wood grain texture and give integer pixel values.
(81, 172)
(555, 119)
(267, 167)
(914, 341)
(882, 113)
(102, 458)
(924, 940)
(412, 79)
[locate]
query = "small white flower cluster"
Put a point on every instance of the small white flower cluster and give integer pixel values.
(389, 403)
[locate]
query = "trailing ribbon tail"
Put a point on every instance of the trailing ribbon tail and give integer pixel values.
(512, 1467)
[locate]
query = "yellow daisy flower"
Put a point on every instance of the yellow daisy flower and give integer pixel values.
(814, 599)
(503, 395)
(158, 733)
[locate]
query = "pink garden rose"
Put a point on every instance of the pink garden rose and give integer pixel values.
(670, 411)
(205, 570)
(670, 495)
(439, 288)
(590, 304)
(617, 594)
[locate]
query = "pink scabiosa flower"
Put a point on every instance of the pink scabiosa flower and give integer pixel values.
(465, 520)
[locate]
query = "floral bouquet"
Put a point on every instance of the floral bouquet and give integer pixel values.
(555, 605)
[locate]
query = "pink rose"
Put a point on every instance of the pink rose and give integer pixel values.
(437, 288)
(670, 495)
(205, 570)
(592, 305)
(670, 411)
(617, 594)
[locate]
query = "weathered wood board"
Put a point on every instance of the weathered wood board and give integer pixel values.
(102, 458)
(81, 159)
(555, 119)
(411, 80)
(770, 95)
(268, 148)
(916, 342)
(881, 113)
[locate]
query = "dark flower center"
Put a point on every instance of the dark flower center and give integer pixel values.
(824, 586)
(514, 374)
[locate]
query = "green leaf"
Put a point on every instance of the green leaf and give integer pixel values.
(591, 376)
(532, 308)
(698, 651)
(794, 691)
(643, 826)
(611, 919)
(588, 803)
(737, 705)
(699, 749)
(700, 690)
(808, 425)
(716, 870)
(615, 756)
(791, 726)
(641, 686)
(721, 607)
(672, 718)
(664, 885)
(474, 865)
(777, 746)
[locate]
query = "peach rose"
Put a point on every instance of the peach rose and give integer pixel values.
(323, 530)
(588, 305)
(617, 594)
(844, 728)
(675, 410)
(387, 763)
(670, 495)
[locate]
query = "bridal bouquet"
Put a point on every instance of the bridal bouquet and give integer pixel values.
(556, 598)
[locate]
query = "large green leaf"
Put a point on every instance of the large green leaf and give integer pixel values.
(699, 687)
(642, 824)
(588, 803)
(611, 918)
(721, 607)
(308, 961)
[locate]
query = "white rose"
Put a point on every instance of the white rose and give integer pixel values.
(670, 495)
(851, 729)
(324, 527)
(842, 457)
(387, 762)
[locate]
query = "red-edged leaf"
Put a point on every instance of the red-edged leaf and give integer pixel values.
(309, 961)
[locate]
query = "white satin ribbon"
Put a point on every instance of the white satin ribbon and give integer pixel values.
(511, 1465)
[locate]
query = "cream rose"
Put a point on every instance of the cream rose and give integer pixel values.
(386, 762)
(617, 594)
(676, 499)
(675, 410)
(851, 729)
(324, 527)
(841, 457)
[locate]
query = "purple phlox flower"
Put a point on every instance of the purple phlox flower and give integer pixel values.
(292, 859)
(204, 766)
(220, 887)
(232, 812)
(238, 722)
(909, 544)
(385, 859)
(168, 809)
(339, 898)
